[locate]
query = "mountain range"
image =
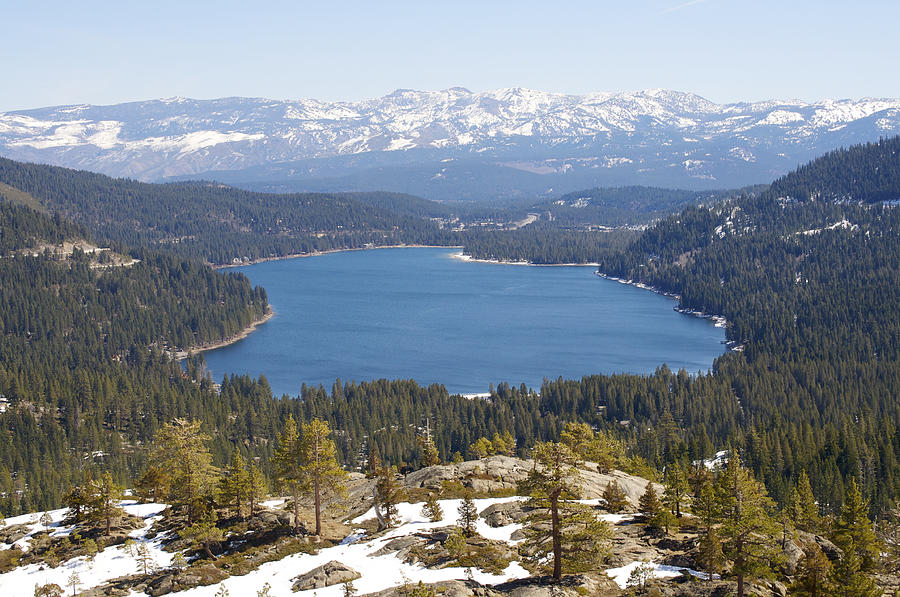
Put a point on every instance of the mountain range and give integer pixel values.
(451, 144)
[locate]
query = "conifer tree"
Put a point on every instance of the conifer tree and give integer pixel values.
(848, 576)
(853, 528)
(709, 552)
(813, 575)
(258, 487)
(108, 494)
(373, 462)
(802, 507)
(746, 529)
(234, 487)
(432, 508)
(651, 508)
(614, 497)
(676, 489)
(468, 514)
(481, 448)
(180, 448)
(286, 465)
(503, 444)
(319, 468)
(388, 493)
(558, 528)
(430, 456)
(153, 484)
(203, 533)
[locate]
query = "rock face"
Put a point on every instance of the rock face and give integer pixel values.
(325, 575)
(487, 474)
(504, 473)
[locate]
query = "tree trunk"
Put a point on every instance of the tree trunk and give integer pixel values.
(382, 523)
(556, 533)
(296, 508)
(318, 507)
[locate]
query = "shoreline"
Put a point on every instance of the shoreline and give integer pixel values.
(469, 259)
(183, 354)
(329, 252)
(718, 320)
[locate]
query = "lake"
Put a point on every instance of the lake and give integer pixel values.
(420, 313)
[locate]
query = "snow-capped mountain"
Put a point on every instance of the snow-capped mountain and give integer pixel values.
(529, 140)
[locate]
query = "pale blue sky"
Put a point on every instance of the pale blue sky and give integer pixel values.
(725, 50)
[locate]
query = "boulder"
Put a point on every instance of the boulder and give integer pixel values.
(326, 575)
(500, 472)
(400, 545)
(447, 588)
(506, 513)
(187, 579)
(482, 486)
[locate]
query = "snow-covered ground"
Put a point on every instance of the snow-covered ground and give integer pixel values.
(355, 551)
(106, 565)
(378, 572)
(622, 574)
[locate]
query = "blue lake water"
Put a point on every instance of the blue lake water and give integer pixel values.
(422, 314)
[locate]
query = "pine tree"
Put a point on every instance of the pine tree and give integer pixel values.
(746, 526)
(709, 553)
(388, 493)
(180, 448)
(468, 514)
(234, 487)
(802, 507)
(853, 527)
(319, 468)
(651, 508)
(848, 576)
(373, 462)
(432, 508)
(813, 575)
(676, 489)
(430, 456)
(614, 497)
(108, 495)
(504, 444)
(481, 448)
(203, 533)
(286, 465)
(558, 528)
(154, 484)
(258, 487)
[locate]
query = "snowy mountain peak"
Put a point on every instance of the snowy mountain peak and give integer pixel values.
(655, 136)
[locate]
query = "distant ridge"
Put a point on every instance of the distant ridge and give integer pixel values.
(450, 144)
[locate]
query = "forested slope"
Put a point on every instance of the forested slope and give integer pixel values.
(83, 377)
(217, 223)
(810, 283)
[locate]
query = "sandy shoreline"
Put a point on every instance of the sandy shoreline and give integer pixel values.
(329, 252)
(183, 354)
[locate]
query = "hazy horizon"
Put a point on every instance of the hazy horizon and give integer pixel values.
(722, 50)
